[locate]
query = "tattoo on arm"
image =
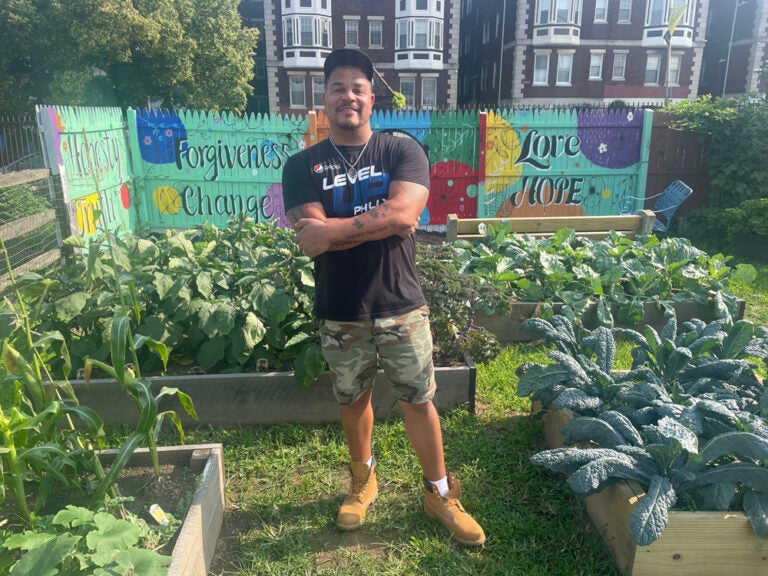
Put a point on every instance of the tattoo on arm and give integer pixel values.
(295, 214)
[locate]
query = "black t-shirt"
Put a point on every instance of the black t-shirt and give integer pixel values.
(376, 279)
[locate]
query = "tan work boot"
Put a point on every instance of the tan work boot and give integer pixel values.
(362, 494)
(450, 513)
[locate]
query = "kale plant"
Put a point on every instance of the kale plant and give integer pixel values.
(666, 461)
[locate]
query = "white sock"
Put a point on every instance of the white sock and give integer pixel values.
(442, 485)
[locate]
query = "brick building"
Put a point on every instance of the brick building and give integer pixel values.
(412, 43)
(516, 52)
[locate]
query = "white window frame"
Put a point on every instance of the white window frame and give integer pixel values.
(401, 34)
(425, 82)
(652, 57)
(658, 11)
(306, 28)
(294, 82)
(375, 26)
(351, 27)
(625, 11)
(318, 89)
(406, 29)
(539, 57)
(563, 9)
(319, 29)
(596, 59)
(564, 57)
(558, 12)
(623, 56)
(675, 65)
(408, 89)
(601, 11)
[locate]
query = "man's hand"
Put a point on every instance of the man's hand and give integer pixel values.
(312, 236)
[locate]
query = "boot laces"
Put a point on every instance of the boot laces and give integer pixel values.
(452, 505)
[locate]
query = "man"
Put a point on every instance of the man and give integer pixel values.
(354, 201)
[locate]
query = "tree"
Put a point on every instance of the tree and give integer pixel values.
(184, 53)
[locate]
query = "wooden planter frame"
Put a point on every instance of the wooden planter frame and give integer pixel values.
(196, 544)
(692, 543)
(268, 398)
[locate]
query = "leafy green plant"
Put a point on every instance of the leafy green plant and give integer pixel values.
(617, 276)
(705, 374)
(686, 389)
(664, 458)
(40, 442)
(734, 135)
(77, 541)
(454, 301)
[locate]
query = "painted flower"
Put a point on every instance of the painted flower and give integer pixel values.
(603, 148)
(147, 140)
(630, 116)
(168, 132)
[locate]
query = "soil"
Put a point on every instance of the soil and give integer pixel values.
(172, 491)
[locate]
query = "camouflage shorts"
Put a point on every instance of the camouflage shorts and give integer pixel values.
(404, 345)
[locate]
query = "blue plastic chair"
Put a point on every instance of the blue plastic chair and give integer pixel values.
(669, 200)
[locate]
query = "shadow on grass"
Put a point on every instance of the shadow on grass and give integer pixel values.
(284, 485)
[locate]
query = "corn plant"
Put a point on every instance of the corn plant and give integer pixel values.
(40, 443)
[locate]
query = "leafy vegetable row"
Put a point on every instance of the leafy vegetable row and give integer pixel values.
(616, 274)
(687, 421)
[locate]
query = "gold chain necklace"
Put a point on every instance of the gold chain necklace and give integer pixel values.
(350, 167)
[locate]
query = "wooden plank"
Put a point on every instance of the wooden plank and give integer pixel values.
(452, 228)
(609, 511)
(596, 227)
(23, 177)
(692, 543)
(36, 263)
(21, 226)
(269, 398)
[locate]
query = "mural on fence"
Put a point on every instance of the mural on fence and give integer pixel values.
(195, 167)
(564, 162)
(91, 156)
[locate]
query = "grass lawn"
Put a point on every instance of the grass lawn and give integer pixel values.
(284, 485)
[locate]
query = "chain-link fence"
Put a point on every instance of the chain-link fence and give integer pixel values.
(28, 212)
(19, 144)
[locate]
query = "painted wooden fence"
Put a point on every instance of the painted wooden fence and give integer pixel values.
(189, 167)
(590, 162)
(87, 148)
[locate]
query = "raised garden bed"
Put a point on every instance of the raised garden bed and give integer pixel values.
(196, 542)
(270, 397)
(692, 544)
(506, 327)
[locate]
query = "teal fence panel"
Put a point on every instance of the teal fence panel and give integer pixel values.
(564, 162)
(180, 169)
(196, 167)
(87, 148)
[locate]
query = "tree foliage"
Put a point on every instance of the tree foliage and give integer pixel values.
(735, 136)
(124, 53)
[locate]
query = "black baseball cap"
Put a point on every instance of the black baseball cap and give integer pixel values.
(348, 57)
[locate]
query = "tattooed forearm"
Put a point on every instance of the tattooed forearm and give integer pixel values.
(362, 236)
